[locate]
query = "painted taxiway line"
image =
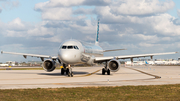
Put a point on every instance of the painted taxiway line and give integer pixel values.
(156, 77)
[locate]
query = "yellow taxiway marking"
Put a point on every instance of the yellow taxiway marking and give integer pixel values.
(156, 77)
(89, 74)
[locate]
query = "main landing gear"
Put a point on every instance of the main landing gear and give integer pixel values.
(105, 69)
(67, 70)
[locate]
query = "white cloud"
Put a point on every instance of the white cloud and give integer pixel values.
(40, 31)
(17, 28)
(70, 3)
(83, 11)
(55, 3)
(0, 9)
(40, 6)
(141, 7)
(16, 24)
(9, 4)
(178, 12)
(57, 14)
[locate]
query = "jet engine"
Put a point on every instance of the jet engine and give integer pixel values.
(49, 65)
(113, 65)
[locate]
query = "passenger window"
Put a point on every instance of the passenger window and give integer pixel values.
(64, 47)
(70, 47)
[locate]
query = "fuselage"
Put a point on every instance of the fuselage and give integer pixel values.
(75, 52)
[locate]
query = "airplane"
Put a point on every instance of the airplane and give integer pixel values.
(72, 52)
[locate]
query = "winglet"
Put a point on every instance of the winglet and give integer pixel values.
(1, 52)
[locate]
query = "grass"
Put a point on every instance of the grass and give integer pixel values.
(127, 93)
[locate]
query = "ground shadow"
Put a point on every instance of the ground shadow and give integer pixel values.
(101, 74)
(59, 74)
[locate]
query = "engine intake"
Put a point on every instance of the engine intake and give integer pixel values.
(113, 65)
(49, 65)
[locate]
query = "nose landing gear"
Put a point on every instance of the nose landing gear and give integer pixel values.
(70, 73)
(67, 70)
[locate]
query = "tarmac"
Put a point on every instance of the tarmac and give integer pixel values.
(90, 77)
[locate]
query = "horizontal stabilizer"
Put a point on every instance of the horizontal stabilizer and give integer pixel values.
(113, 50)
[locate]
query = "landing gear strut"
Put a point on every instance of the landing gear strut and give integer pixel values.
(67, 70)
(105, 69)
(70, 73)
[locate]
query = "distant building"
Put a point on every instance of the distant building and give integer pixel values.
(179, 59)
(12, 63)
(4, 65)
(155, 62)
(35, 63)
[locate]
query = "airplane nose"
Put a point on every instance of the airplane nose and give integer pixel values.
(68, 57)
(65, 57)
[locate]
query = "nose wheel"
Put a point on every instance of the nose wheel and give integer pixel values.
(67, 70)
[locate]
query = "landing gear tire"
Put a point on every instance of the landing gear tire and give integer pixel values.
(70, 74)
(67, 71)
(62, 71)
(103, 71)
(108, 72)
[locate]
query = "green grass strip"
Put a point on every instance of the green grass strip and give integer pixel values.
(127, 93)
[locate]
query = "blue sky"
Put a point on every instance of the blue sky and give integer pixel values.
(173, 12)
(24, 10)
(39, 26)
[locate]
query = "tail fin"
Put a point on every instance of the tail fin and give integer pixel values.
(97, 35)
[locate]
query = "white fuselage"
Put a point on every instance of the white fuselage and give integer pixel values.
(74, 52)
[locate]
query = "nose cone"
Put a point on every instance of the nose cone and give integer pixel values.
(69, 56)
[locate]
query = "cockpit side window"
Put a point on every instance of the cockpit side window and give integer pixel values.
(76, 47)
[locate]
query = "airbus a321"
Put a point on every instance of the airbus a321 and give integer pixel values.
(72, 52)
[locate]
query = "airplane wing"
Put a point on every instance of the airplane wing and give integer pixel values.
(32, 55)
(103, 59)
(113, 50)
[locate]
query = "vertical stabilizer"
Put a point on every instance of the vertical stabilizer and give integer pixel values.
(97, 34)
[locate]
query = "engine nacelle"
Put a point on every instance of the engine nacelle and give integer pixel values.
(49, 65)
(113, 65)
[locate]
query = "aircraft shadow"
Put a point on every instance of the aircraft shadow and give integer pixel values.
(101, 74)
(59, 74)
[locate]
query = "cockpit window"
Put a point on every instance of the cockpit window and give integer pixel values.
(70, 47)
(64, 47)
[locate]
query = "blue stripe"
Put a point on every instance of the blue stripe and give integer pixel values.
(97, 38)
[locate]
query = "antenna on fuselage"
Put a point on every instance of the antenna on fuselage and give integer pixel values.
(97, 34)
